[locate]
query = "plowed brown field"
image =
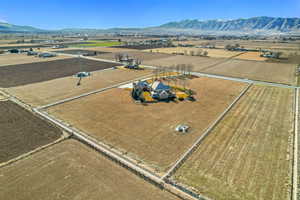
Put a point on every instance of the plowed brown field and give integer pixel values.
(17, 75)
(21, 131)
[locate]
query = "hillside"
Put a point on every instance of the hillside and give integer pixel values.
(8, 28)
(255, 25)
(251, 24)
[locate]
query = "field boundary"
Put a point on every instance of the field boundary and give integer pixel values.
(97, 145)
(245, 80)
(90, 93)
(223, 61)
(119, 159)
(185, 156)
(237, 79)
(295, 158)
(38, 149)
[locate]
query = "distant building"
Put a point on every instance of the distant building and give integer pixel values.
(14, 51)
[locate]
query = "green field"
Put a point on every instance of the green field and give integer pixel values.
(95, 43)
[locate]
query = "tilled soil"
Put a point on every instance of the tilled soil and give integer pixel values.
(21, 131)
(16, 75)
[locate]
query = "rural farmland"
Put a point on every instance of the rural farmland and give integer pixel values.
(71, 170)
(148, 133)
(17, 75)
(12, 59)
(214, 53)
(149, 100)
(255, 70)
(144, 56)
(21, 131)
(38, 94)
(79, 52)
(248, 155)
(199, 63)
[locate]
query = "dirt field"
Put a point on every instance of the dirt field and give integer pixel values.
(144, 56)
(247, 155)
(199, 63)
(271, 72)
(21, 131)
(147, 132)
(46, 92)
(79, 52)
(71, 170)
(251, 56)
(15, 59)
(252, 44)
(17, 75)
(217, 53)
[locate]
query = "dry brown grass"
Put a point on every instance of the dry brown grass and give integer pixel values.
(148, 133)
(199, 63)
(217, 53)
(142, 55)
(251, 56)
(247, 155)
(42, 93)
(271, 72)
(71, 170)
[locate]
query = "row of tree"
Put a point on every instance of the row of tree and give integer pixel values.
(178, 75)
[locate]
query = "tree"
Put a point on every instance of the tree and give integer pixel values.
(118, 57)
(205, 53)
(199, 52)
(192, 53)
(228, 47)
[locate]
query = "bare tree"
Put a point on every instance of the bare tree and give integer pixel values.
(192, 53)
(185, 52)
(199, 52)
(178, 68)
(118, 57)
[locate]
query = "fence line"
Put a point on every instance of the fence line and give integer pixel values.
(200, 139)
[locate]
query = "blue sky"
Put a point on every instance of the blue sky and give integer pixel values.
(55, 14)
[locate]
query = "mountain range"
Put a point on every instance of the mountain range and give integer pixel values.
(261, 25)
